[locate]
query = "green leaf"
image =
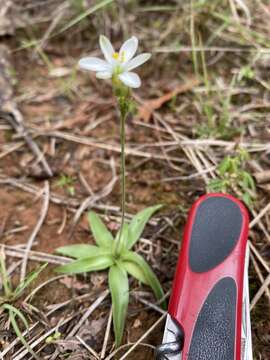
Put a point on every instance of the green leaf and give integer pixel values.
(13, 312)
(4, 275)
(149, 275)
(101, 234)
(225, 166)
(120, 244)
(138, 224)
(119, 288)
(215, 185)
(16, 312)
(134, 270)
(87, 264)
(248, 181)
(28, 280)
(80, 251)
(247, 199)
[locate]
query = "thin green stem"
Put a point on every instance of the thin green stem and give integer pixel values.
(122, 94)
(123, 107)
(123, 167)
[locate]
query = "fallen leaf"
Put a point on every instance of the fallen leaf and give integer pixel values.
(73, 283)
(97, 279)
(147, 108)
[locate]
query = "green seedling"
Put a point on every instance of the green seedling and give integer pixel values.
(246, 73)
(54, 337)
(233, 176)
(67, 182)
(9, 296)
(116, 256)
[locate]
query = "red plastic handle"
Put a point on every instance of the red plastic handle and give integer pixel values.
(192, 283)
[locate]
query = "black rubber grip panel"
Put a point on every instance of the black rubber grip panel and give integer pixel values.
(215, 231)
(214, 333)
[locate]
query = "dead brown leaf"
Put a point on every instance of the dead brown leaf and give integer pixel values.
(73, 283)
(147, 108)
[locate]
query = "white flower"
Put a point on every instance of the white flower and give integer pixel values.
(117, 63)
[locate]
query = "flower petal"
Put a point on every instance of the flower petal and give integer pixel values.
(137, 61)
(94, 64)
(129, 48)
(130, 79)
(104, 74)
(106, 48)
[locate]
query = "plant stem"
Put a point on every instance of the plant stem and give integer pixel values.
(123, 107)
(123, 167)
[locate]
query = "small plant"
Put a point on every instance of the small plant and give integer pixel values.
(54, 337)
(9, 296)
(115, 253)
(232, 175)
(67, 182)
(246, 73)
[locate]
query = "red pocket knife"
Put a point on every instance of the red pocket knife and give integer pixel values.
(208, 316)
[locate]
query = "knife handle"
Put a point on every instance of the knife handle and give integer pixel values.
(206, 299)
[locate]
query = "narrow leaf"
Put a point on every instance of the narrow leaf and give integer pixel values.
(86, 264)
(4, 274)
(138, 223)
(100, 232)
(224, 166)
(121, 239)
(17, 312)
(12, 316)
(80, 251)
(149, 275)
(28, 280)
(134, 270)
(248, 181)
(119, 288)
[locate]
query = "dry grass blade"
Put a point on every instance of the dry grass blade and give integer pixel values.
(10, 112)
(92, 352)
(260, 292)
(106, 337)
(46, 195)
(89, 311)
(143, 337)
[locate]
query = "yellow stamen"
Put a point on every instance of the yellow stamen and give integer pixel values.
(117, 56)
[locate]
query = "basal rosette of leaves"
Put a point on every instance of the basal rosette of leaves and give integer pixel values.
(120, 263)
